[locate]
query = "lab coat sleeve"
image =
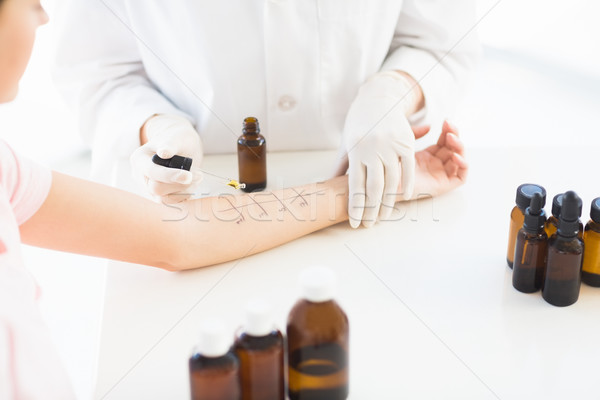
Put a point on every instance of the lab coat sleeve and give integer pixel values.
(101, 75)
(436, 44)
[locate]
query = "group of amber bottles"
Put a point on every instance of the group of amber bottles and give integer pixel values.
(548, 253)
(253, 367)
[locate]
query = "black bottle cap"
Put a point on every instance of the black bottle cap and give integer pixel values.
(525, 193)
(595, 211)
(568, 222)
(556, 205)
(251, 125)
(177, 162)
(535, 216)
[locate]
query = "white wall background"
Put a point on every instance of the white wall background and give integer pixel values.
(538, 82)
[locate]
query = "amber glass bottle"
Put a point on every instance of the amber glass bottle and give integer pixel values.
(214, 368)
(252, 156)
(562, 279)
(591, 259)
(318, 340)
(517, 215)
(531, 249)
(552, 222)
(259, 347)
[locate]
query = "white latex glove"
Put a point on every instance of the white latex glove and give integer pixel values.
(379, 148)
(168, 135)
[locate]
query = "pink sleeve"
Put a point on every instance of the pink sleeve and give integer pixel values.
(30, 367)
(26, 183)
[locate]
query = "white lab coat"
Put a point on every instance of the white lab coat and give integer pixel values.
(294, 64)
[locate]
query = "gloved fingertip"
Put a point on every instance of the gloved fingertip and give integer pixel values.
(165, 153)
(184, 177)
(355, 213)
(369, 223)
(386, 212)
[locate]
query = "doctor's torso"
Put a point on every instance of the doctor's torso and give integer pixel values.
(295, 65)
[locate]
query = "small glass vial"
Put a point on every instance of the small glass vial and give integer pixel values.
(259, 348)
(214, 368)
(252, 156)
(591, 258)
(552, 222)
(317, 341)
(517, 215)
(531, 249)
(562, 279)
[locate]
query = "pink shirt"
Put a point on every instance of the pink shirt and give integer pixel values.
(29, 365)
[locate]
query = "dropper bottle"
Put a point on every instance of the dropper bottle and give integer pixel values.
(252, 156)
(591, 258)
(517, 215)
(259, 348)
(317, 340)
(214, 368)
(562, 279)
(531, 249)
(552, 222)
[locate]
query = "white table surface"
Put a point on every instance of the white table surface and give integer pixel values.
(432, 310)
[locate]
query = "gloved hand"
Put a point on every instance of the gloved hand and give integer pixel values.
(379, 146)
(168, 135)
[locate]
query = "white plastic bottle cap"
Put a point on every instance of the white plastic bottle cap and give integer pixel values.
(214, 339)
(318, 284)
(259, 321)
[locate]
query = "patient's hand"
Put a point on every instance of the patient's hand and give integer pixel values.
(441, 167)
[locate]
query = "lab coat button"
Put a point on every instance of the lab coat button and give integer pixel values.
(286, 103)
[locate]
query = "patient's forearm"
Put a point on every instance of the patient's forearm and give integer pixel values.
(87, 218)
(218, 229)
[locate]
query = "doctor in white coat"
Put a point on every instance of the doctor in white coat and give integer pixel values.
(178, 77)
